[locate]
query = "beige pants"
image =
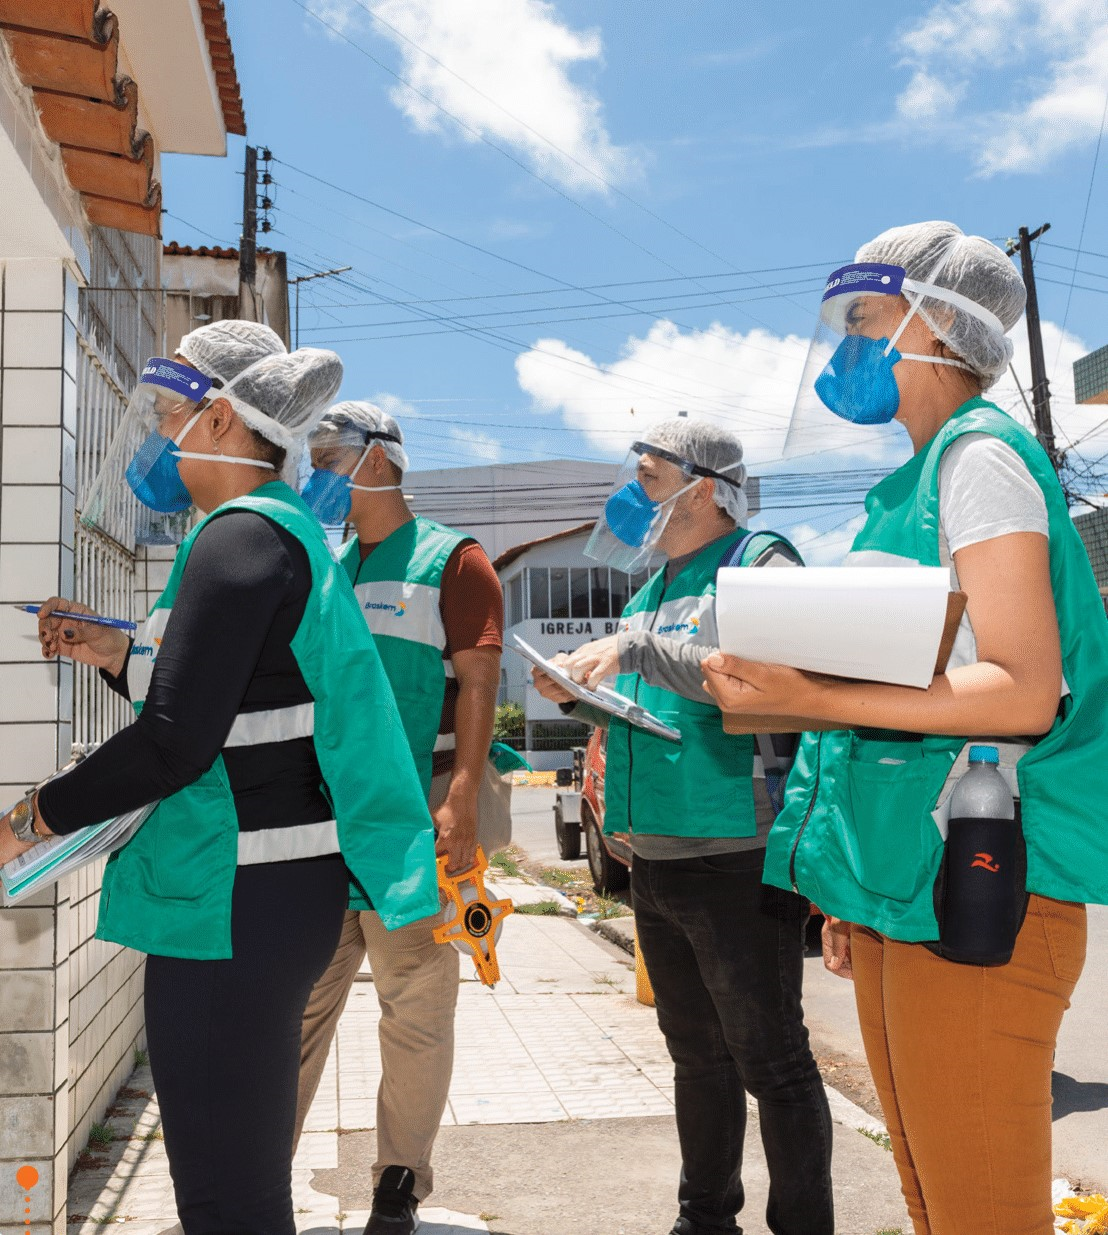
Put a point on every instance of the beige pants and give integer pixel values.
(416, 981)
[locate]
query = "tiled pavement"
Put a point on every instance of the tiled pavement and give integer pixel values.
(560, 1038)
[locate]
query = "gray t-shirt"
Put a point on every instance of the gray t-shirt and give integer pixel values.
(676, 667)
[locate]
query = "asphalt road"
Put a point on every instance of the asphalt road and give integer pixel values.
(1081, 1067)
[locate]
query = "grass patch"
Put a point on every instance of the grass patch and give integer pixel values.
(891, 1230)
(505, 860)
(609, 907)
(539, 909)
(488, 1217)
(878, 1138)
(100, 1135)
(561, 878)
(141, 1058)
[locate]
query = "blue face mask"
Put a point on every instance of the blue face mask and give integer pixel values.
(154, 479)
(630, 513)
(858, 382)
(327, 496)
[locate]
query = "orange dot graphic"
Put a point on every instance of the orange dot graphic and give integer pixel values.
(26, 1177)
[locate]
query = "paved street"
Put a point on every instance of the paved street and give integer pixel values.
(560, 1119)
(1080, 1076)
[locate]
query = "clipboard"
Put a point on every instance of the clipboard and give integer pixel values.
(603, 698)
(737, 722)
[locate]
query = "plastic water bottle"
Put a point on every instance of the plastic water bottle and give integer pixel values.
(984, 870)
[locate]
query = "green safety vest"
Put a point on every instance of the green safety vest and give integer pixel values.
(856, 834)
(168, 890)
(704, 785)
(399, 589)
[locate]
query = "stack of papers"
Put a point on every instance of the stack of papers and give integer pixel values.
(48, 861)
(877, 623)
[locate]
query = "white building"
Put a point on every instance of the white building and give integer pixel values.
(90, 99)
(555, 599)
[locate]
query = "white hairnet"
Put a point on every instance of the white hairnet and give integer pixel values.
(942, 254)
(347, 423)
(710, 445)
(223, 350)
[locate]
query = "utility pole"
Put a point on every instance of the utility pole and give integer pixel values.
(307, 278)
(1040, 386)
(248, 242)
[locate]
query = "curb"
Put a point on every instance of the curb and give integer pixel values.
(620, 931)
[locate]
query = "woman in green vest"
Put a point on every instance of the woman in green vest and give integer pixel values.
(273, 808)
(961, 1054)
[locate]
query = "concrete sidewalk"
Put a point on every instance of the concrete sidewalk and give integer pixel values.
(560, 1119)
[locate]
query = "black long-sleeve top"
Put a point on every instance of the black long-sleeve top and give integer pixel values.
(225, 650)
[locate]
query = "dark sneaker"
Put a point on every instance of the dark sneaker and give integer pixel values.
(686, 1226)
(394, 1207)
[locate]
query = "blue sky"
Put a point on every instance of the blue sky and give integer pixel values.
(666, 149)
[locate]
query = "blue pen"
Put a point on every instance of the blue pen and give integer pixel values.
(94, 618)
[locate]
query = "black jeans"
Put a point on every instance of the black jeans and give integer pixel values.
(224, 1040)
(725, 957)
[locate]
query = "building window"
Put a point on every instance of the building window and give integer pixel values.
(620, 592)
(601, 596)
(515, 600)
(539, 591)
(559, 591)
(579, 593)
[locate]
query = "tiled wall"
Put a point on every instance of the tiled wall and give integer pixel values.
(70, 1005)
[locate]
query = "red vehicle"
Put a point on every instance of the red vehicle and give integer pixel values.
(581, 809)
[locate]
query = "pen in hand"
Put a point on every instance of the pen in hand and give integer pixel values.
(94, 618)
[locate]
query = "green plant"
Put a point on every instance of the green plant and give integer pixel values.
(505, 861)
(100, 1135)
(541, 909)
(510, 722)
(878, 1138)
(609, 907)
(560, 878)
(141, 1058)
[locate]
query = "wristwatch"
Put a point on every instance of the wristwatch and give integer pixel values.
(22, 820)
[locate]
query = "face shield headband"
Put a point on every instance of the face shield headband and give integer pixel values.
(849, 370)
(327, 493)
(627, 534)
(142, 458)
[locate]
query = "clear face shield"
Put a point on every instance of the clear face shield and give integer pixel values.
(849, 370)
(338, 451)
(140, 461)
(641, 503)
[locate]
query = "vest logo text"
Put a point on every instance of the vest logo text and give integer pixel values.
(691, 627)
(395, 610)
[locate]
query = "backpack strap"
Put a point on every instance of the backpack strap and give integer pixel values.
(751, 547)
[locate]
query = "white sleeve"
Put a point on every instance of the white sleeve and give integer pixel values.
(985, 491)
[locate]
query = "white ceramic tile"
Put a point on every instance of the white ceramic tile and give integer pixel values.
(34, 284)
(32, 397)
(28, 573)
(32, 456)
(31, 513)
(33, 340)
(27, 752)
(28, 692)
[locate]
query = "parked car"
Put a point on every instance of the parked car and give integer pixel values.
(579, 808)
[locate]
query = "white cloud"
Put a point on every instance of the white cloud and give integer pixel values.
(927, 98)
(1073, 422)
(1046, 60)
(824, 545)
(432, 444)
(502, 67)
(747, 382)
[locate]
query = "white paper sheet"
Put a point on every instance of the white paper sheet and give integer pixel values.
(877, 623)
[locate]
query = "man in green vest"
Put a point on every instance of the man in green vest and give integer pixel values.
(724, 953)
(433, 602)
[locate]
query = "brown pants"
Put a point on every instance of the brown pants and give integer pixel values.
(962, 1059)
